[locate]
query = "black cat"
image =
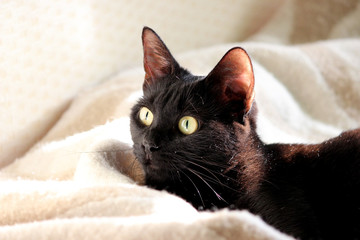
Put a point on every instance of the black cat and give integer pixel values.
(196, 137)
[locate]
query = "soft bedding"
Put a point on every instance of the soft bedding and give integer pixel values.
(80, 179)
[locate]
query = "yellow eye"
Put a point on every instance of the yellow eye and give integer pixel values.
(188, 125)
(146, 116)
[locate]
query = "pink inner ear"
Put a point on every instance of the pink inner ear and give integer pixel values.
(238, 71)
(157, 58)
(235, 76)
(155, 64)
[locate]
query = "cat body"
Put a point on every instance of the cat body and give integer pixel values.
(196, 137)
(312, 191)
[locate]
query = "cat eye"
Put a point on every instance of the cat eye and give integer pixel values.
(146, 116)
(188, 125)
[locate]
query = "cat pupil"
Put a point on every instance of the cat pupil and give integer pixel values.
(147, 115)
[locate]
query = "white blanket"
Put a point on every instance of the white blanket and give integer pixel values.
(79, 180)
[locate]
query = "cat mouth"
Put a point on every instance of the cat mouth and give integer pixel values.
(154, 163)
(147, 159)
(149, 162)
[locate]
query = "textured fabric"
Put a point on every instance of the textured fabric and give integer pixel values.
(51, 49)
(64, 121)
(68, 45)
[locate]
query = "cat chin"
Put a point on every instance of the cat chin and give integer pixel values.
(152, 168)
(151, 165)
(155, 172)
(157, 180)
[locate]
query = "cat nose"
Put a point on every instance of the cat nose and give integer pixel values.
(150, 147)
(154, 148)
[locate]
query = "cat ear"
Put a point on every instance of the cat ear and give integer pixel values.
(158, 61)
(232, 80)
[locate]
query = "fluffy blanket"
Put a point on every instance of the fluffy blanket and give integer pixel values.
(81, 181)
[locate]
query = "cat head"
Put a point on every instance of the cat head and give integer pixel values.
(186, 128)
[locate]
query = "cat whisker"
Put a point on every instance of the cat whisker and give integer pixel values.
(206, 169)
(200, 162)
(201, 199)
(195, 158)
(208, 178)
(217, 195)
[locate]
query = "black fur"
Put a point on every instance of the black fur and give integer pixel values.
(308, 191)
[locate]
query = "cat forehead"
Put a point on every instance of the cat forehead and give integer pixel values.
(172, 97)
